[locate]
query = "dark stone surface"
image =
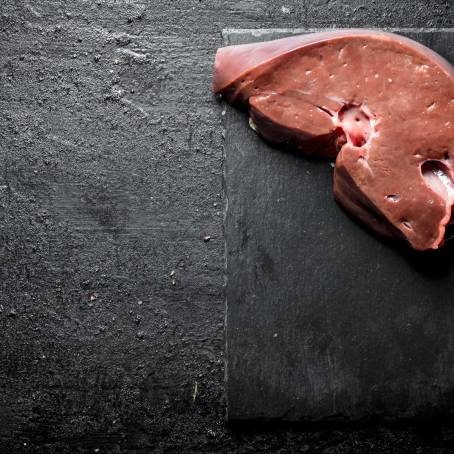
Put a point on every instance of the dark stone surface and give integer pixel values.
(111, 162)
(324, 319)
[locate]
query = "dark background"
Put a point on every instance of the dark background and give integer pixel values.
(112, 303)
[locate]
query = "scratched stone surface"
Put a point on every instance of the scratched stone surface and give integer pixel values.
(111, 301)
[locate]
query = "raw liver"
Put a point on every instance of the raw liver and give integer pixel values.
(382, 104)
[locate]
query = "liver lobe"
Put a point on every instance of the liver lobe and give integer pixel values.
(381, 104)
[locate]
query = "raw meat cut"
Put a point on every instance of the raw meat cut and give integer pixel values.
(380, 103)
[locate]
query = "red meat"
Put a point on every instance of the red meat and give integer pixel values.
(381, 104)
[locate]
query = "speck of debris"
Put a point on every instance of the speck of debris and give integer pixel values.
(195, 392)
(285, 10)
(12, 313)
(102, 329)
(140, 334)
(93, 297)
(123, 39)
(332, 164)
(172, 273)
(140, 302)
(207, 238)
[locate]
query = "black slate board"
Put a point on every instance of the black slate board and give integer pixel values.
(323, 318)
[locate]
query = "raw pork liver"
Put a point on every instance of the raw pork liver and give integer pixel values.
(381, 104)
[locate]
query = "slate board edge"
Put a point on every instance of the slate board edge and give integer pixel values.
(258, 35)
(227, 33)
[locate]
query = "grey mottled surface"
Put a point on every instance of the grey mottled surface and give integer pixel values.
(111, 162)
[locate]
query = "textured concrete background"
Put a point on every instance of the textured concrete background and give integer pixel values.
(111, 323)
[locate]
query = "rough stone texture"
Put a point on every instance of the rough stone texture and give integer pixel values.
(110, 179)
